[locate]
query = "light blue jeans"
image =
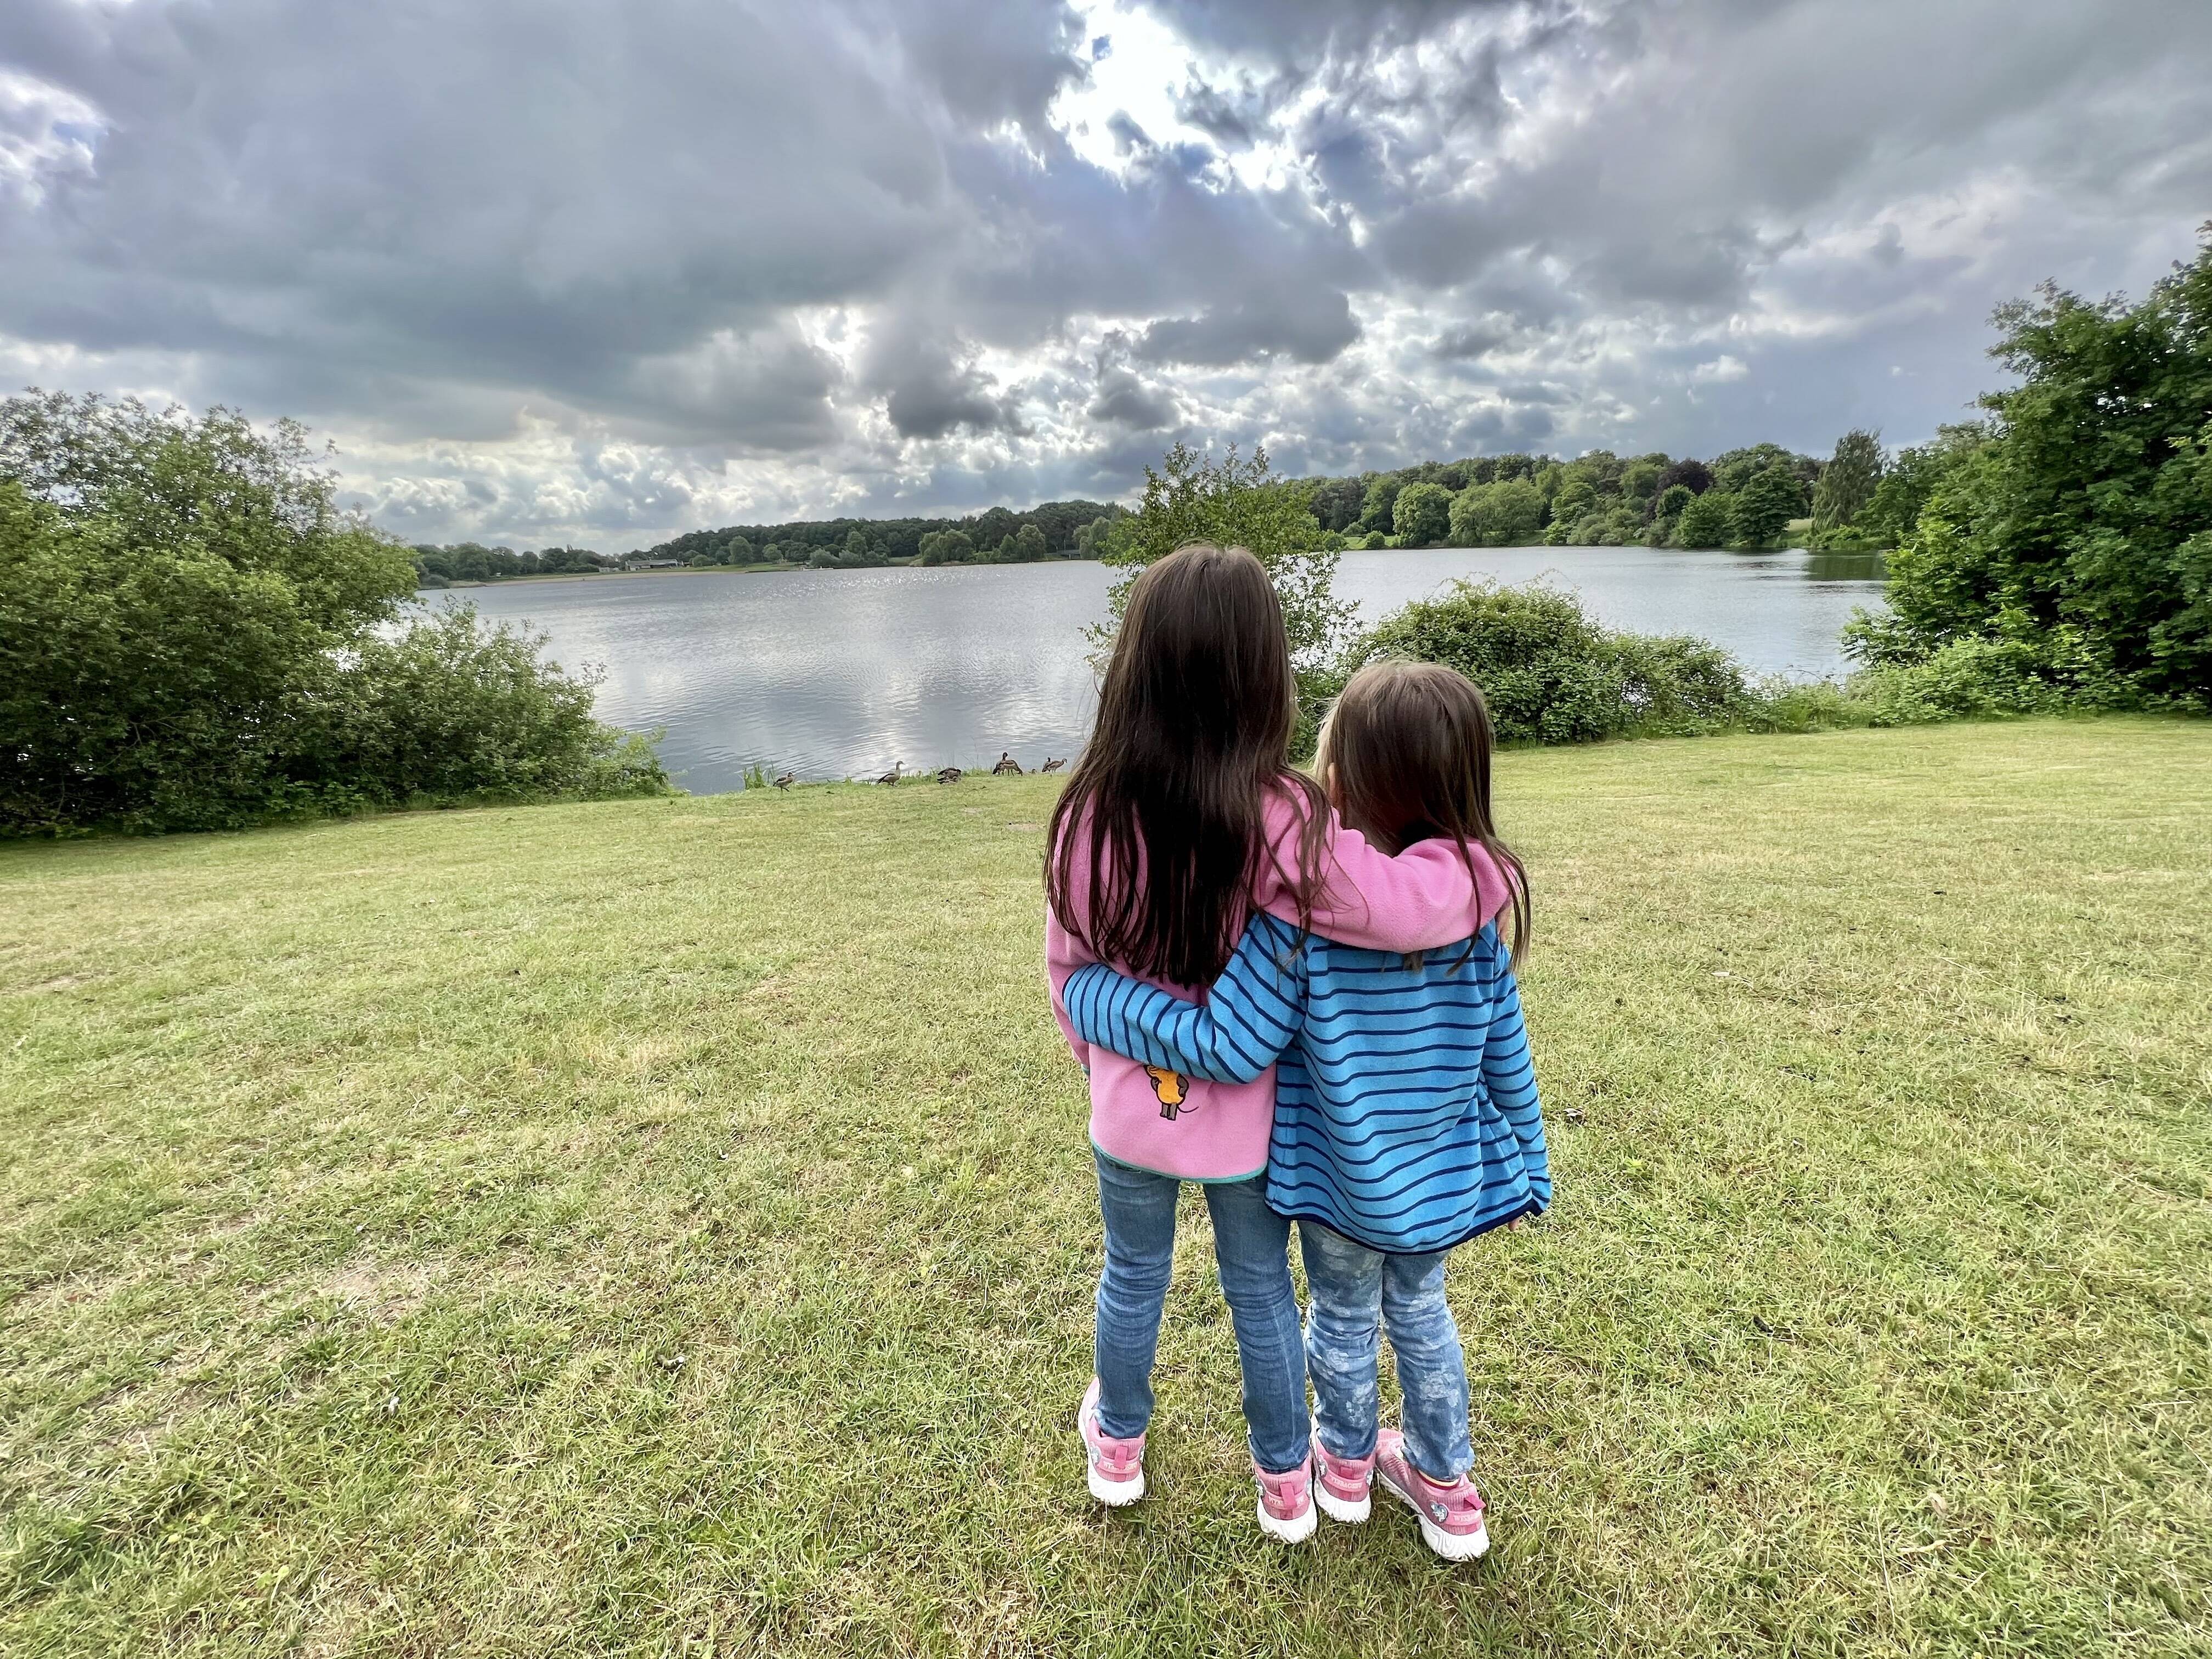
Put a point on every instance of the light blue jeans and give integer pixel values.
(1252, 1249)
(1351, 1292)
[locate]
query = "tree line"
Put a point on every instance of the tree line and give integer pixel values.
(1065, 530)
(1746, 497)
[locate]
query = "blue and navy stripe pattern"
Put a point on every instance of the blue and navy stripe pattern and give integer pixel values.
(1406, 1109)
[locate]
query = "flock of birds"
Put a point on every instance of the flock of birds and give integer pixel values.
(1007, 766)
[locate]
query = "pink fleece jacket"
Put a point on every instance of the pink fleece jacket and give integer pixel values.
(1183, 1126)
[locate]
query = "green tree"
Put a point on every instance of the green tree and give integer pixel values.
(1766, 504)
(169, 588)
(1236, 502)
(1421, 517)
(1910, 482)
(1378, 505)
(1507, 513)
(1709, 520)
(1028, 545)
(947, 547)
(185, 614)
(2079, 531)
(1848, 482)
(1338, 502)
(738, 551)
(1577, 495)
(1639, 481)
(1735, 469)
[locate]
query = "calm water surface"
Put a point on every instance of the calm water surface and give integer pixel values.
(839, 673)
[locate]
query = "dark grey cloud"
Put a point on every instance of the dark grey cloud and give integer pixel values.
(1231, 118)
(929, 392)
(617, 266)
(1304, 324)
(1126, 400)
(1467, 341)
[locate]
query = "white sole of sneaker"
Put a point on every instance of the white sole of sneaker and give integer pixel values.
(1448, 1546)
(1287, 1532)
(1337, 1509)
(1115, 1494)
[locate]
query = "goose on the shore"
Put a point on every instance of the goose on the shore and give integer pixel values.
(898, 768)
(1007, 765)
(1051, 765)
(948, 774)
(785, 780)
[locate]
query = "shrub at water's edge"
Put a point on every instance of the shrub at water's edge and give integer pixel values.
(194, 638)
(1551, 674)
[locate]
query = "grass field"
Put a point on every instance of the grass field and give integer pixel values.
(666, 1227)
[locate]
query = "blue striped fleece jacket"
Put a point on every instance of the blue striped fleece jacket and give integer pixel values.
(1405, 1110)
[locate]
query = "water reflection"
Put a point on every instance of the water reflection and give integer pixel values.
(1846, 567)
(839, 673)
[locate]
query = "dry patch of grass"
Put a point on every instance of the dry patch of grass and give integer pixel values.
(664, 1226)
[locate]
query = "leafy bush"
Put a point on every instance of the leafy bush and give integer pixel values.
(1967, 678)
(448, 711)
(191, 632)
(1552, 675)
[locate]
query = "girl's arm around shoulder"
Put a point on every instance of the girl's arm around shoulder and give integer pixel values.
(1421, 900)
(1248, 1019)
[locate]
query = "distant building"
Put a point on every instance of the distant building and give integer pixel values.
(652, 564)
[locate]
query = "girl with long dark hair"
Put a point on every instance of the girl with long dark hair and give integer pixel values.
(1181, 820)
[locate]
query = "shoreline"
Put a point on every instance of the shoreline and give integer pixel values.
(915, 564)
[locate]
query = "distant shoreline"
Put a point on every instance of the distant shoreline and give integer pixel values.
(736, 570)
(972, 564)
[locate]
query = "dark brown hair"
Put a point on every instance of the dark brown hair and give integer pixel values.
(1167, 807)
(1405, 754)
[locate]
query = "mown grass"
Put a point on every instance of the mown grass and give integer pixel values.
(666, 1226)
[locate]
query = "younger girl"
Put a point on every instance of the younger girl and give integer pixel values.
(1406, 1115)
(1181, 820)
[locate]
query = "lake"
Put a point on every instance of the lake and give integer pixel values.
(838, 673)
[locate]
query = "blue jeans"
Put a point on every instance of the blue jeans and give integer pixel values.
(1352, 1292)
(1252, 1248)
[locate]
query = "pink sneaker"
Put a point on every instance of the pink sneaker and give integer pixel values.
(1286, 1511)
(1116, 1467)
(1450, 1515)
(1341, 1485)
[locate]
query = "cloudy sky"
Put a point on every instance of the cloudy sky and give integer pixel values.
(601, 269)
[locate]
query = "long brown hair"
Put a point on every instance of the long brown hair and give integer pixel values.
(1405, 754)
(1167, 808)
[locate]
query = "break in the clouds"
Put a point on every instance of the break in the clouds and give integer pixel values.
(600, 269)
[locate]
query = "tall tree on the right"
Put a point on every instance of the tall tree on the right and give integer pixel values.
(2075, 534)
